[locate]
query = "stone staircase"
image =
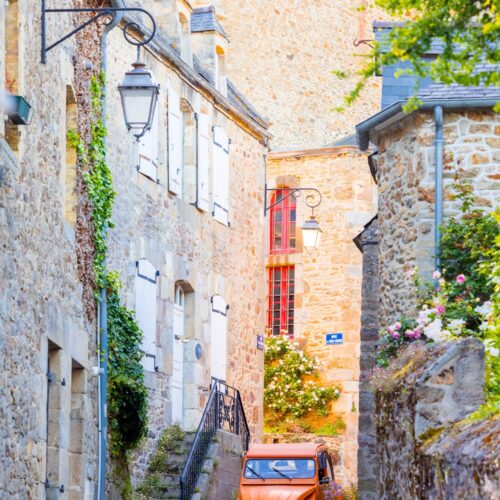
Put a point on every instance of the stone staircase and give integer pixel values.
(165, 482)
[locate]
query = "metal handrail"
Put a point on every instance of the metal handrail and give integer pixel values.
(224, 410)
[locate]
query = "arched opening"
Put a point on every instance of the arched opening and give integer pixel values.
(188, 151)
(283, 237)
(220, 70)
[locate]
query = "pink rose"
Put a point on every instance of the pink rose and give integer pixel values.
(436, 275)
(416, 333)
(409, 333)
(397, 326)
(440, 309)
(460, 279)
(395, 335)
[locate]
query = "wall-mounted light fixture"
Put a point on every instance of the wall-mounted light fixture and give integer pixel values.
(311, 232)
(138, 91)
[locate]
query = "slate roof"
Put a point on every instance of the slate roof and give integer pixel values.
(205, 19)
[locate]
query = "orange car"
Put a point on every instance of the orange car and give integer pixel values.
(291, 471)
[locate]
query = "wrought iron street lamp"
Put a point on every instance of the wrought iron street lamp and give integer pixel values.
(139, 94)
(311, 232)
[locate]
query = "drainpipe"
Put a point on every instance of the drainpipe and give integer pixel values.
(102, 309)
(438, 192)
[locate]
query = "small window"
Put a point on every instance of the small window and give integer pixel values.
(281, 307)
(220, 167)
(283, 222)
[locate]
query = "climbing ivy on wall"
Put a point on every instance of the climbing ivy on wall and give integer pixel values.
(127, 394)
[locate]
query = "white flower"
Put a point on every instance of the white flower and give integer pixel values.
(456, 325)
(433, 331)
(424, 316)
(436, 275)
(485, 309)
(490, 348)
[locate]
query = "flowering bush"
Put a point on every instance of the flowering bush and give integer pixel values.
(464, 299)
(287, 393)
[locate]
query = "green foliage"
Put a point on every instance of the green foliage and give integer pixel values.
(127, 394)
(287, 393)
(334, 428)
(468, 30)
(153, 485)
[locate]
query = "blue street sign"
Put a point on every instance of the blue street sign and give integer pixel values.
(260, 342)
(334, 338)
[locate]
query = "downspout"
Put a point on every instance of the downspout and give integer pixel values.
(102, 309)
(438, 191)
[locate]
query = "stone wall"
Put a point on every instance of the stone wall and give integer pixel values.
(367, 242)
(406, 192)
(282, 54)
(328, 280)
(188, 246)
(47, 392)
(424, 447)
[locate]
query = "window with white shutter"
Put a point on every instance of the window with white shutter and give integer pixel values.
(145, 310)
(175, 143)
(218, 338)
(203, 198)
(149, 151)
(220, 176)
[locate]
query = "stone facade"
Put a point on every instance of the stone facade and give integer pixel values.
(286, 52)
(422, 451)
(190, 249)
(406, 192)
(47, 391)
(328, 280)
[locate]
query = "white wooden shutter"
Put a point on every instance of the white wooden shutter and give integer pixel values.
(203, 201)
(218, 338)
(145, 310)
(221, 176)
(175, 143)
(148, 150)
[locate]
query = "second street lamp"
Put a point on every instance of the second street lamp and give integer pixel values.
(311, 234)
(139, 94)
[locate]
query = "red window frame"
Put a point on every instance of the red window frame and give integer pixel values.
(283, 222)
(281, 306)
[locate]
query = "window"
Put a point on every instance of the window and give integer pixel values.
(203, 197)
(188, 152)
(185, 39)
(283, 222)
(220, 70)
(148, 150)
(221, 176)
(279, 468)
(175, 143)
(145, 310)
(218, 337)
(281, 300)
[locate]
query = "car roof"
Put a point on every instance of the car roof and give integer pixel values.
(283, 450)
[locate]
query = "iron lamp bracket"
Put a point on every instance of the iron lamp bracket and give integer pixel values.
(312, 200)
(98, 13)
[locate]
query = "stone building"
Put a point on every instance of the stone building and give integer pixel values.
(292, 59)
(454, 130)
(187, 241)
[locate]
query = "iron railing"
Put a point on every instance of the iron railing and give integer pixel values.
(224, 410)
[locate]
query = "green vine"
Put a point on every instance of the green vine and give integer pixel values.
(127, 394)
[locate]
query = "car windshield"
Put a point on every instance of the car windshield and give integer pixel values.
(279, 468)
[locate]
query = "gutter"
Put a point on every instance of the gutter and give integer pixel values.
(395, 111)
(438, 174)
(102, 308)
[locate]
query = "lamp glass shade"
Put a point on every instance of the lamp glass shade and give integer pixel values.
(139, 94)
(311, 234)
